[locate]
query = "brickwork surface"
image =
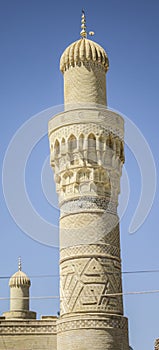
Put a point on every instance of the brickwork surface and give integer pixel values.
(28, 335)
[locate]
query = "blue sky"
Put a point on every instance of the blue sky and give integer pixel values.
(33, 35)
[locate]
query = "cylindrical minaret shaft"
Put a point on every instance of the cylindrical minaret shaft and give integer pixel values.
(87, 154)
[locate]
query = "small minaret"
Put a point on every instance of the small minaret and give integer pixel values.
(87, 155)
(19, 296)
(84, 64)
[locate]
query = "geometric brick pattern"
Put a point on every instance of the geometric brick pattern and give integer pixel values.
(81, 229)
(89, 284)
(96, 90)
(92, 321)
(28, 334)
(24, 327)
(85, 119)
(96, 250)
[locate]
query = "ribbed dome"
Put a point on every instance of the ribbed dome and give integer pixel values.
(19, 279)
(81, 51)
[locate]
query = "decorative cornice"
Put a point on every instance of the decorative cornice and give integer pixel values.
(27, 327)
(95, 250)
(101, 117)
(91, 322)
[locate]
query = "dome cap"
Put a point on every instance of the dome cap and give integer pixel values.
(83, 50)
(19, 278)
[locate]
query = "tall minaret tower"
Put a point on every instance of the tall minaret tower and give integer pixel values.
(87, 154)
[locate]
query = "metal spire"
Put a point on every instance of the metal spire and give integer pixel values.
(19, 264)
(83, 32)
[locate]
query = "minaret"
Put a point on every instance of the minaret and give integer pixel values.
(85, 83)
(19, 296)
(87, 154)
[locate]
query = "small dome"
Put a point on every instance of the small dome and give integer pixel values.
(81, 51)
(19, 279)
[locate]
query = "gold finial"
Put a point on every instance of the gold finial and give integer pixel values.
(83, 32)
(19, 264)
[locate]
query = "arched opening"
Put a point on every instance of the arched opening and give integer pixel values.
(83, 175)
(63, 146)
(92, 157)
(96, 175)
(101, 143)
(91, 141)
(81, 142)
(67, 177)
(72, 143)
(57, 148)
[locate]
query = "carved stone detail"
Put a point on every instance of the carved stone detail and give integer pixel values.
(87, 159)
(87, 154)
(38, 327)
(87, 203)
(71, 323)
(90, 284)
(88, 228)
(86, 146)
(101, 250)
(110, 121)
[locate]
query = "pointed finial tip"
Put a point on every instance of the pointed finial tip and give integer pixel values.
(19, 264)
(83, 32)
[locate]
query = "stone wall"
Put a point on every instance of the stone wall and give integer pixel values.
(28, 335)
(83, 332)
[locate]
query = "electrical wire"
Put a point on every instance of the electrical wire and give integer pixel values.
(153, 291)
(114, 272)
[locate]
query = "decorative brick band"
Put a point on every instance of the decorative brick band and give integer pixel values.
(89, 228)
(109, 120)
(69, 324)
(88, 203)
(38, 327)
(100, 250)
